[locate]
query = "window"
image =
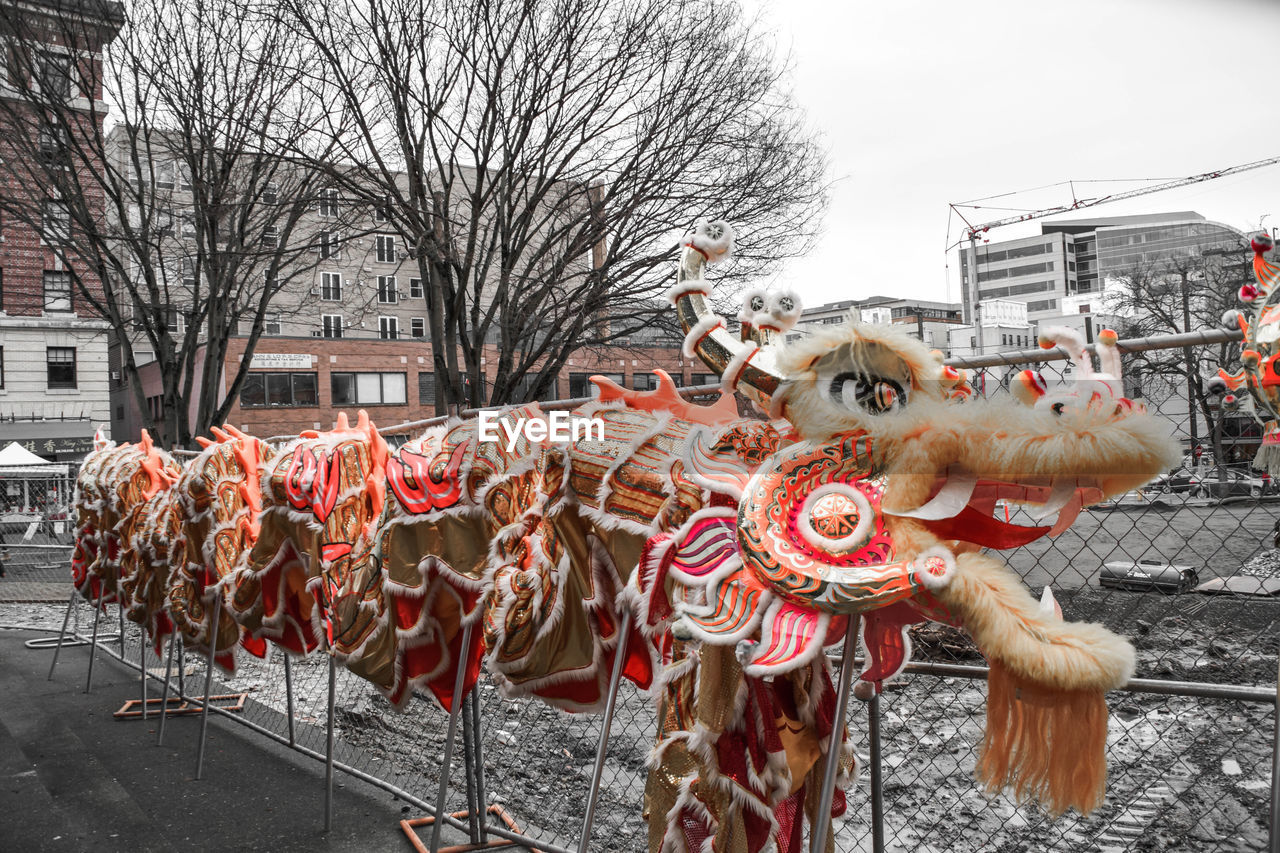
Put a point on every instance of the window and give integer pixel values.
(1, 367)
(165, 171)
(1084, 309)
(331, 325)
(705, 379)
(415, 288)
(328, 245)
(417, 327)
(329, 201)
(644, 381)
(368, 389)
(53, 74)
(580, 385)
(331, 286)
(388, 328)
(54, 143)
(426, 388)
(384, 247)
(381, 213)
(270, 192)
(270, 237)
(387, 290)
(57, 291)
(279, 390)
(188, 225)
(271, 323)
(61, 363)
(56, 222)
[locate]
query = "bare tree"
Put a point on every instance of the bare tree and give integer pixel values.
(1178, 294)
(157, 177)
(540, 159)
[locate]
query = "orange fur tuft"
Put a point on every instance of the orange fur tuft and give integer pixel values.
(1045, 744)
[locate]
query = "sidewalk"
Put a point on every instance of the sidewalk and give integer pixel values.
(73, 778)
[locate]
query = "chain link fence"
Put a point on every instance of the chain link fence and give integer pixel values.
(36, 532)
(1185, 568)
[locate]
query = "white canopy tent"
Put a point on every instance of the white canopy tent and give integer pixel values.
(17, 461)
(24, 482)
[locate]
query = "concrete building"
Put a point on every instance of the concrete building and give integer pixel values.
(1065, 275)
(931, 322)
(53, 350)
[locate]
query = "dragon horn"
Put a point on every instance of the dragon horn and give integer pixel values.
(742, 365)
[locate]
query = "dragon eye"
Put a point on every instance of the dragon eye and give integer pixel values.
(872, 394)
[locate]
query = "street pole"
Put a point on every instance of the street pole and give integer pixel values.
(1186, 354)
(974, 307)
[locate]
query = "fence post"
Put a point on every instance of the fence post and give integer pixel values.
(877, 772)
(1274, 846)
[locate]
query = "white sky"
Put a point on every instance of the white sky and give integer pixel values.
(925, 103)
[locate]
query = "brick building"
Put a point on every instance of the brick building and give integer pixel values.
(53, 350)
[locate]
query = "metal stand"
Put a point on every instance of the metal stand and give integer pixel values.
(288, 693)
(120, 622)
(615, 679)
(818, 832)
(142, 665)
(66, 618)
(208, 679)
(450, 735)
(93, 646)
(328, 747)
(164, 691)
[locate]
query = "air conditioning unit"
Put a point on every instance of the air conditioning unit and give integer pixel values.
(315, 291)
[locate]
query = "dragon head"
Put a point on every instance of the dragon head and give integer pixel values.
(881, 497)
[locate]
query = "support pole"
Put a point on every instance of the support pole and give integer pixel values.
(208, 679)
(818, 832)
(120, 620)
(182, 668)
(450, 735)
(164, 691)
(66, 617)
(877, 773)
(288, 693)
(93, 645)
(142, 665)
(482, 798)
(1274, 846)
(328, 746)
(474, 815)
(602, 748)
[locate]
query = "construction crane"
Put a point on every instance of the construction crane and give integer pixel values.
(972, 232)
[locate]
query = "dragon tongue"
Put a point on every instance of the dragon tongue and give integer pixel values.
(969, 525)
